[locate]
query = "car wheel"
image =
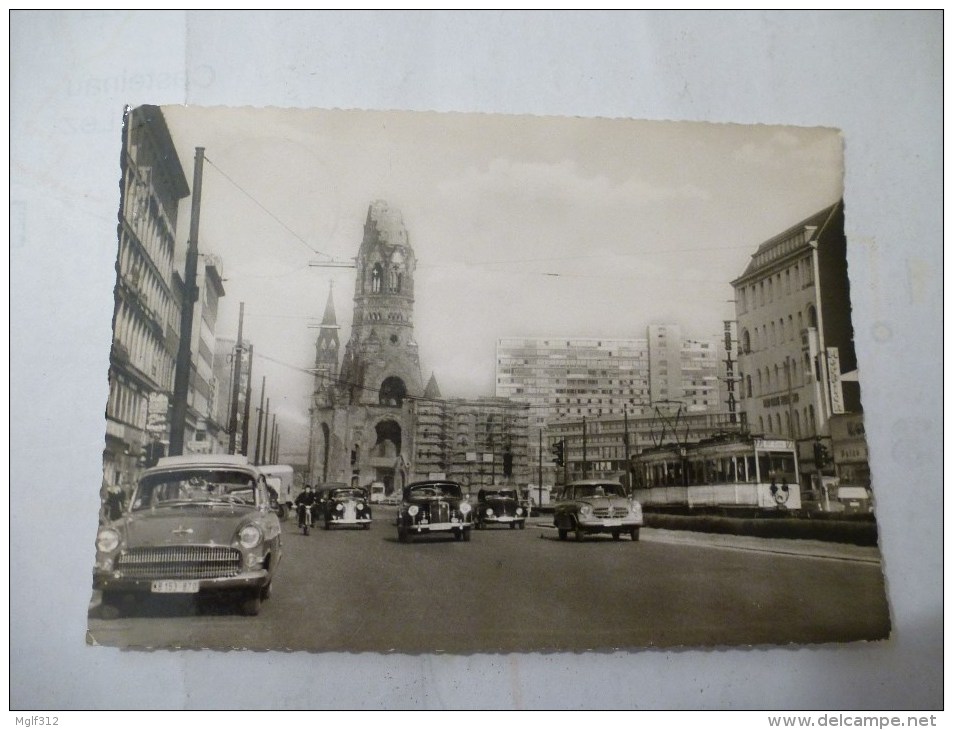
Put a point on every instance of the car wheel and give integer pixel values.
(401, 534)
(579, 533)
(634, 533)
(466, 534)
(522, 524)
(251, 603)
(367, 525)
(458, 535)
(512, 525)
(327, 525)
(266, 591)
(307, 530)
(616, 534)
(563, 533)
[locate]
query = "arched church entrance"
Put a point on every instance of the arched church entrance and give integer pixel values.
(386, 453)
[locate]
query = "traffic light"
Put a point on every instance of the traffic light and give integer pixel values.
(822, 456)
(558, 453)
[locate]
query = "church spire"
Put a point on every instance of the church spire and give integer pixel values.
(330, 319)
(432, 391)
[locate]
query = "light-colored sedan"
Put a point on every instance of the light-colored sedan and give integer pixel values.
(593, 506)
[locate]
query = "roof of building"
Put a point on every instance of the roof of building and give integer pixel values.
(789, 240)
(152, 115)
(432, 390)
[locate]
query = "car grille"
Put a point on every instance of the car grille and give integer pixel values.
(189, 562)
(440, 512)
(611, 511)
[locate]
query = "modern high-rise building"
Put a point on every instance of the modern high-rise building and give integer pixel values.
(147, 312)
(571, 377)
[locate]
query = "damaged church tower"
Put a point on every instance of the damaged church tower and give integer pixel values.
(362, 420)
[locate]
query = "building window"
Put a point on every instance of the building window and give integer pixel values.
(811, 316)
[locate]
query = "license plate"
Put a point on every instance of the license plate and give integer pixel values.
(175, 586)
(612, 523)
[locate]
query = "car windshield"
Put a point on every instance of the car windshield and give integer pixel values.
(500, 494)
(195, 486)
(435, 490)
(347, 494)
(597, 490)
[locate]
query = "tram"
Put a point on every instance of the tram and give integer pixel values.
(733, 474)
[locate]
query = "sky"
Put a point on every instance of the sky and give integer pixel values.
(521, 226)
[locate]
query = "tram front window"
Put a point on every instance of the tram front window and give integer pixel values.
(778, 466)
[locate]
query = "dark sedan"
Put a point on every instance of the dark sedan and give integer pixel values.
(434, 506)
(500, 506)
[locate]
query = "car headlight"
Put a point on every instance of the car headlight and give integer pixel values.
(250, 536)
(519, 511)
(586, 510)
(339, 507)
(107, 540)
(489, 511)
(413, 510)
(360, 506)
(464, 508)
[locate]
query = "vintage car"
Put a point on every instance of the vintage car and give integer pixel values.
(346, 506)
(198, 524)
(594, 506)
(499, 506)
(434, 506)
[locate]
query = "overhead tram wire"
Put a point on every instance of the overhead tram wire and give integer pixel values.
(270, 214)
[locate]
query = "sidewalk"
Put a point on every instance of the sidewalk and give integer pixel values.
(777, 546)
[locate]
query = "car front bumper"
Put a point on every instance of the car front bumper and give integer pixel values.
(607, 524)
(421, 527)
(109, 581)
(351, 521)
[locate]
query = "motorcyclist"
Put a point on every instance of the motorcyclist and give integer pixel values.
(305, 499)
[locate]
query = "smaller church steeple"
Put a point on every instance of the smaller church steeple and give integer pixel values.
(330, 319)
(432, 392)
(327, 348)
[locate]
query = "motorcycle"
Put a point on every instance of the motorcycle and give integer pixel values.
(306, 523)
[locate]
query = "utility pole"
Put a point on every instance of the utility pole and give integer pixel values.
(271, 447)
(236, 383)
(540, 467)
(585, 463)
(625, 437)
(183, 360)
(264, 444)
(261, 412)
(247, 415)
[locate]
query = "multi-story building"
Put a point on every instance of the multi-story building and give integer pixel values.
(476, 441)
(685, 370)
(592, 377)
(796, 362)
(604, 447)
(146, 315)
(204, 433)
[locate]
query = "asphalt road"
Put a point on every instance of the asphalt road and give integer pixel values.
(524, 590)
